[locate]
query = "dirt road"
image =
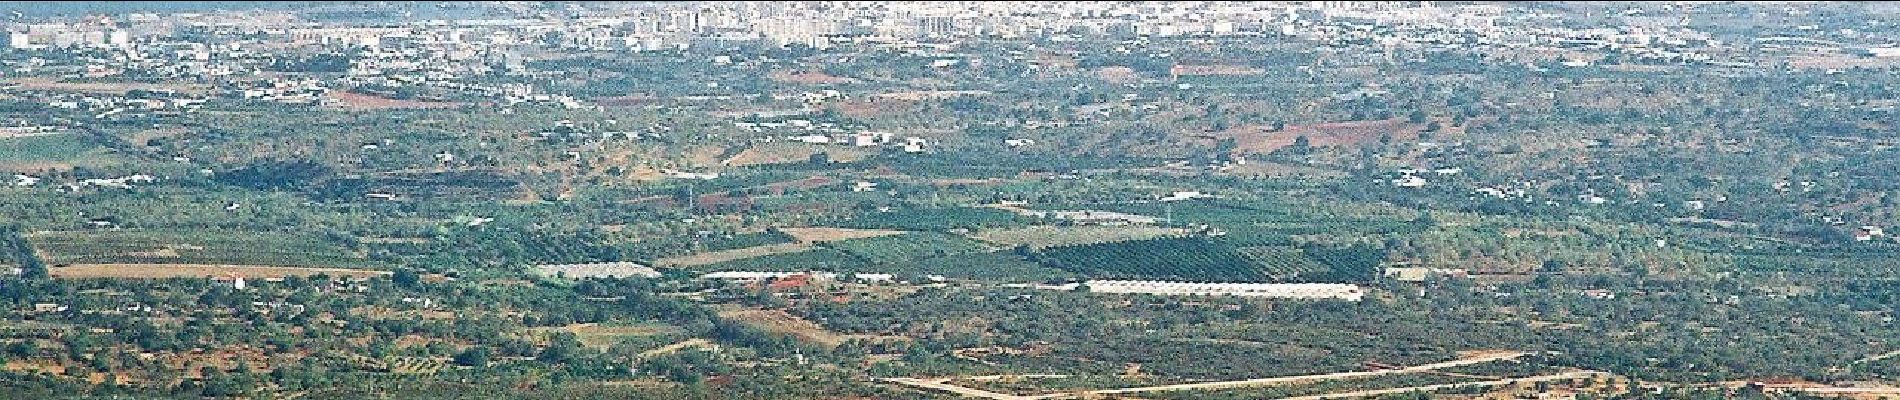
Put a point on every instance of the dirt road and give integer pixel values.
(1304, 378)
(1429, 388)
(940, 384)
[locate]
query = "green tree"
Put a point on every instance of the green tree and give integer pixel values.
(477, 356)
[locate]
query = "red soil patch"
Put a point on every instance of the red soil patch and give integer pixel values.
(359, 101)
(1261, 138)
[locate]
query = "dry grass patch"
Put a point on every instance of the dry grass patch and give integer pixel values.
(814, 235)
(778, 321)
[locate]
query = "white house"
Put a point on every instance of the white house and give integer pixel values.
(1186, 195)
(812, 139)
(704, 176)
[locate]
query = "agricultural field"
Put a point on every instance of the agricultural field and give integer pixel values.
(606, 335)
(1283, 263)
(538, 218)
(819, 234)
(1186, 258)
(1046, 236)
(935, 219)
(53, 152)
(1006, 266)
(725, 256)
(194, 247)
(906, 247)
(815, 259)
(744, 240)
(161, 271)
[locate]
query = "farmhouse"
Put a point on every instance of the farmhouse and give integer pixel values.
(1336, 291)
(1869, 232)
(121, 182)
(812, 139)
(869, 138)
(704, 176)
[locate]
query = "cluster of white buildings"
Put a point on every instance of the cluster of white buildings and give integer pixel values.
(58, 35)
(124, 182)
(1409, 177)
